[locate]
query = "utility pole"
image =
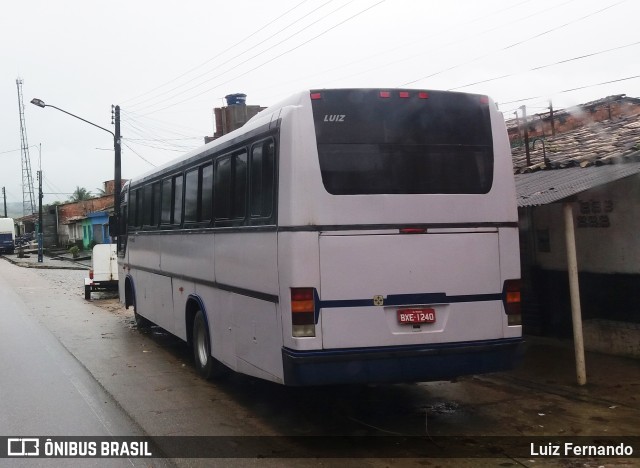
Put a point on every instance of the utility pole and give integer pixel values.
(4, 196)
(553, 122)
(117, 176)
(40, 226)
(526, 134)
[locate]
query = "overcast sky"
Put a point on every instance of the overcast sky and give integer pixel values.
(168, 64)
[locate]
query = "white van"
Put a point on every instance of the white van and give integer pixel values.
(103, 275)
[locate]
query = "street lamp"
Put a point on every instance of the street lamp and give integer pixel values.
(118, 156)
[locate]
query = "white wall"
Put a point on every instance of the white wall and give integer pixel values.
(613, 249)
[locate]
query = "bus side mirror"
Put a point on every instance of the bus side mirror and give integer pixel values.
(114, 226)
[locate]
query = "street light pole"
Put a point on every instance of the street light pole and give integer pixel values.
(118, 156)
(117, 176)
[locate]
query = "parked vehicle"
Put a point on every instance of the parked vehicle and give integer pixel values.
(340, 236)
(103, 275)
(7, 235)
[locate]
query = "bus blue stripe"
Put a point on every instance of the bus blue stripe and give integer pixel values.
(410, 299)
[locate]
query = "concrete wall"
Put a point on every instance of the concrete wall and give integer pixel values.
(607, 221)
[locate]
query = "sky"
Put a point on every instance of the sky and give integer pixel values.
(169, 64)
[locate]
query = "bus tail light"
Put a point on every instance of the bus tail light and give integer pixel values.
(512, 301)
(303, 312)
(91, 274)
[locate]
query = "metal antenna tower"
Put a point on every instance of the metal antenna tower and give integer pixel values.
(28, 203)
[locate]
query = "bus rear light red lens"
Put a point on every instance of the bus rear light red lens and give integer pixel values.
(512, 301)
(423, 95)
(303, 312)
(484, 100)
(385, 94)
(301, 294)
(404, 94)
(316, 96)
(90, 274)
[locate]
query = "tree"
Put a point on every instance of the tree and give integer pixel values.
(79, 194)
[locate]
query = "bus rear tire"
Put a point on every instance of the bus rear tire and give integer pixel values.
(206, 365)
(141, 322)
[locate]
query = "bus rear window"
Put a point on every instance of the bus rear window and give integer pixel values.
(375, 143)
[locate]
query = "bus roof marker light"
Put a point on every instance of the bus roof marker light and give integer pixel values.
(484, 99)
(404, 94)
(316, 96)
(423, 95)
(385, 94)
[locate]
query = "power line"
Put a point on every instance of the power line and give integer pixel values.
(11, 151)
(184, 150)
(296, 21)
(139, 155)
(142, 133)
(304, 28)
(524, 41)
(425, 38)
(457, 41)
(133, 116)
(219, 54)
(274, 58)
(574, 89)
(546, 66)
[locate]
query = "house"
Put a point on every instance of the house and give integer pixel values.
(73, 223)
(589, 171)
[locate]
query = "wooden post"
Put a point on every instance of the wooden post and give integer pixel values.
(574, 290)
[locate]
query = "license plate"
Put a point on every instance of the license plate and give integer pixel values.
(416, 316)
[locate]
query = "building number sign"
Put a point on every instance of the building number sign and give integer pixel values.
(594, 213)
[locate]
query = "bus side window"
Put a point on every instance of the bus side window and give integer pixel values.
(191, 196)
(206, 193)
(167, 197)
(146, 208)
(222, 188)
(155, 214)
(132, 208)
(177, 200)
(262, 177)
(239, 184)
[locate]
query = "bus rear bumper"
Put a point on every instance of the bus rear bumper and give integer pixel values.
(414, 363)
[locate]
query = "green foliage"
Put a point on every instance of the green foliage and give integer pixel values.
(75, 251)
(79, 194)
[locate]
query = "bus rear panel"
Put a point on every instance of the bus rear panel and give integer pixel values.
(415, 238)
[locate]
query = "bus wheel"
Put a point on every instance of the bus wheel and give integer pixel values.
(206, 365)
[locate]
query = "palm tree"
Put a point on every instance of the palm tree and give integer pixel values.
(79, 194)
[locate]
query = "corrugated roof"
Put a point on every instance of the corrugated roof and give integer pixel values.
(594, 154)
(543, 187)
(596, 143)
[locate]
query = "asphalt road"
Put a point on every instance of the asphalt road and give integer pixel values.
(91, 371)
(44, 389)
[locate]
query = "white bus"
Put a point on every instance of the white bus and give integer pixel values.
(340, 236)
